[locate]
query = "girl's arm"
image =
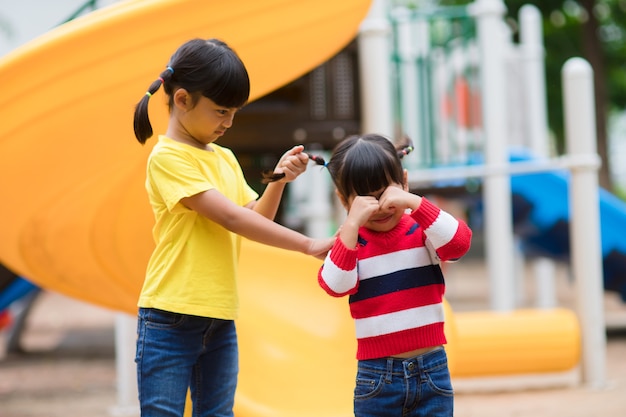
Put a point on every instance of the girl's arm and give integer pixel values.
(360, 210)
(338, 276)
(292, 163)
(216, 207)
(450, 237)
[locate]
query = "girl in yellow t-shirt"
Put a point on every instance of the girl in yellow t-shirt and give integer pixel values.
(202, 205)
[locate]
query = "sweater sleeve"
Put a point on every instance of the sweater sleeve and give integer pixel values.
(449, 237)
(338, 275)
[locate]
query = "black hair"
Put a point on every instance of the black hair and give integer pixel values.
(202, 67)
(357, 163)
(361, 165)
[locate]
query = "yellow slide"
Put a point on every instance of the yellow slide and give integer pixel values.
(75, 217)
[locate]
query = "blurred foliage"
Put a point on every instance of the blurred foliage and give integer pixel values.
(6, 29)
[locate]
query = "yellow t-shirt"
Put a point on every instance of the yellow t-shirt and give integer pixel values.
(193, 268)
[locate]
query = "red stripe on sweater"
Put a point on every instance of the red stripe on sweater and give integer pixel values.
(458, 245)
(401, 342)
(426, 214)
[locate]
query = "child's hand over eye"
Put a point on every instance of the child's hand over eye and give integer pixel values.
(361, 209)
(396, 198)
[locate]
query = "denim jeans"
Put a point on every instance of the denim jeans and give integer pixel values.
(177, 352)
(418, 386)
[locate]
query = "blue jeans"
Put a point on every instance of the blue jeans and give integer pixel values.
(415, 387)
(177, 352)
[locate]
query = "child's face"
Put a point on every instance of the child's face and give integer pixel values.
(206, 121)
(387, 216)
(215, 119)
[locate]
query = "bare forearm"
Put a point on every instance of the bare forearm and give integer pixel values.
(256, 227)
(248, 223)
(267, 204)
(349, 234)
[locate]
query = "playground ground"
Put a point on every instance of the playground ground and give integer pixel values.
(68, 369)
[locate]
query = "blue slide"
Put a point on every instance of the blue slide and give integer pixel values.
(13, 287)
(541, 220)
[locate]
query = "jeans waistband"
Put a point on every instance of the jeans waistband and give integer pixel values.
(406, 366)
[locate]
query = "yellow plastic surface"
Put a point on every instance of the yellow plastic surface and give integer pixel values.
(519, 342)
(297, 344)
(75, 216)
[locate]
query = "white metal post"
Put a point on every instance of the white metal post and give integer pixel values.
(374, 56)
(407, 46)
(580, 132)
(125, 338)
(531, 43)
(533, 55)
(318, 209)
(407, 41)
(497, 188)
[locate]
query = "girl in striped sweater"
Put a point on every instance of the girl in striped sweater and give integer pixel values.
(386, 258)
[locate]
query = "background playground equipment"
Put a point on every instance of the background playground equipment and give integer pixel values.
(439, 91)
(86, 231)
(541, 220)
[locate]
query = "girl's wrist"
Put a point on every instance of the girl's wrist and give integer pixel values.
(416, 202)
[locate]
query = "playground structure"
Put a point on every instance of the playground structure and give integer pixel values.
(86, 231)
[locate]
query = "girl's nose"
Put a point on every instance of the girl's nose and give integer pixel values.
(228, 122)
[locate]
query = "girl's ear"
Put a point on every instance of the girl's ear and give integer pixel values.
(182, 99)
(405, 180)
(344, 203)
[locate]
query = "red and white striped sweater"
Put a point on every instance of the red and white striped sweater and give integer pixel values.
(395, 282)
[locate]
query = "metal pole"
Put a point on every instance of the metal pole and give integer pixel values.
(125, 337)
(585, 246)
(407, 50)
(497, 189)
(533, 52)
(531, 42)
(374, 56)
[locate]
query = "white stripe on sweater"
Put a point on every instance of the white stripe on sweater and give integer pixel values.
(392, 262)
(398, 321)
(442, 230)
(338, 280)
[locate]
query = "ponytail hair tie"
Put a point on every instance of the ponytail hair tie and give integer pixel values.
(148, 93)
(317, 159)
(405, 151)
(170, 69)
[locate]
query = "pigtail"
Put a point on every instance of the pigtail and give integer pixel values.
(141, 121)
(270, 176)
(404, 147)
(317, 159)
